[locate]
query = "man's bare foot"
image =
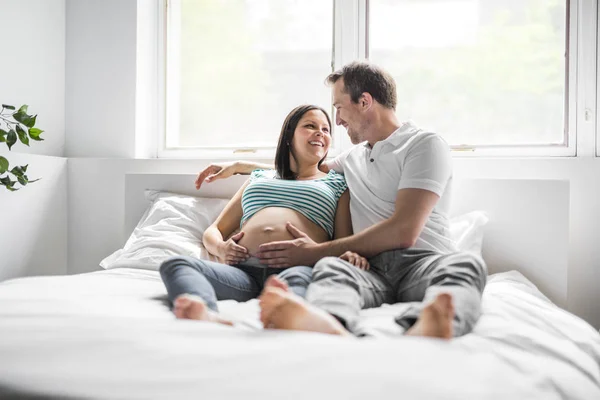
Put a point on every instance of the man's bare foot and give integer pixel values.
(274, 281)
(435, 319)
(191, 307)
(284, 310)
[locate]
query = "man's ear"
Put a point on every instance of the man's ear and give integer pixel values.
(365, 100)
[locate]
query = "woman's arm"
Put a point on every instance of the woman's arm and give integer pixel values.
(343, 221)
(227, 222)
(225, 170)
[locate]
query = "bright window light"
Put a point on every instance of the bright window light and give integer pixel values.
(241, 66)
(480, 72)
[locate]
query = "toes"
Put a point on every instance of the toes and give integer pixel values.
(178, 312)
(269, 300)
(274, 281)
(182, 301)
(445, 303)
(224, 321)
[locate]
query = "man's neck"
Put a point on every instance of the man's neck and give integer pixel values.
(383, 127)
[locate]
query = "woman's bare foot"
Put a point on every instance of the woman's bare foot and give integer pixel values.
(284, 310)
(435, 319)
(188, 306)
(274, 281)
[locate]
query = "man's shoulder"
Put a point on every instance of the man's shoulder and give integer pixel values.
(420, 138)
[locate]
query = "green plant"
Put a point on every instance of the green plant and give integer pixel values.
(16, 125)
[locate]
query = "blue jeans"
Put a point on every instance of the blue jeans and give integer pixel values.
(214, 281)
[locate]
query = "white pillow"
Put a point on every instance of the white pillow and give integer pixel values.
(174, 224)
(467, 231)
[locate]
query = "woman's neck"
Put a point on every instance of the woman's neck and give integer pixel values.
(305, 172)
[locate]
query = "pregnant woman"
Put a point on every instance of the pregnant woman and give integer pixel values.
(296, 192)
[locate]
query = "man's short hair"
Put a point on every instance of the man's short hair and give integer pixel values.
(361, 77)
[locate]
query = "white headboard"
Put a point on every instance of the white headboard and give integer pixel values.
(528, 228)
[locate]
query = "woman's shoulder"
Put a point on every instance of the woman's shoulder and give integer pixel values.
(336, 181)
(263, 173)
(335, 176)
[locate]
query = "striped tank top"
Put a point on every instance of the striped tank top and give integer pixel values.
(315, 199)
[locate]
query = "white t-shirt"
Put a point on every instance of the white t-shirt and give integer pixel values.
(408, 158)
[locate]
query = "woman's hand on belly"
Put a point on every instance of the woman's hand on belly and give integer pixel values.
(255, 235)
(232, 252)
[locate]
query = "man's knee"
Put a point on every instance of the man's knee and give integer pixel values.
(331, 266)
(479, 269)
(470, 266)
(297, 276)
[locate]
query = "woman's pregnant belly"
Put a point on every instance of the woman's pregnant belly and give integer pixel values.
(269, 225)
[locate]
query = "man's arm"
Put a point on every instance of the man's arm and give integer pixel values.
(400, 231)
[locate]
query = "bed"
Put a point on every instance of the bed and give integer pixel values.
(110, 333)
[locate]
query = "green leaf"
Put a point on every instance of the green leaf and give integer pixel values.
(11, 139)
(3, 134)
(35, 133)
(8, 183)
(22, 135)
(24, 167)
(30, 121)
(3, 165)
(22, 180)
(18, 172)
(8, 107)
(22, 117)
(19, 117)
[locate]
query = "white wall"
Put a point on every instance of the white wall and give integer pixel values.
(33, 231)
(101, 78)
(32, 70)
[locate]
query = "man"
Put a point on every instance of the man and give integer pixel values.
(400, 182)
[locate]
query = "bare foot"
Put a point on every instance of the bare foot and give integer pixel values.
(274, 281)
(284, 310)
(435, 319)
(188, 306)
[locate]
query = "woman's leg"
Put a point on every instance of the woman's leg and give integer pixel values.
(208, 280)
(297, 278)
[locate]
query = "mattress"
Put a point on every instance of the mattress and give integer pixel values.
(110, 334)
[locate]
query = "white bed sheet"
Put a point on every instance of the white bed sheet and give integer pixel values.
(110, 334)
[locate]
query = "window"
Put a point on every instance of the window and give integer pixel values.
(236, 68)
(483, 73)
(494, 78)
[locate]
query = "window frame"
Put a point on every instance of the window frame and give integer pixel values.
(350, 42)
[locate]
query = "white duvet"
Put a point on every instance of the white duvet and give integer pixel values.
(110, 334)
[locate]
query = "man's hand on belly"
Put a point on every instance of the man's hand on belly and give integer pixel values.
(288, 253)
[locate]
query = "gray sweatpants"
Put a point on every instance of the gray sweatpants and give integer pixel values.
(408, 275)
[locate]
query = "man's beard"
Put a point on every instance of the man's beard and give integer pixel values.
(355, 138)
